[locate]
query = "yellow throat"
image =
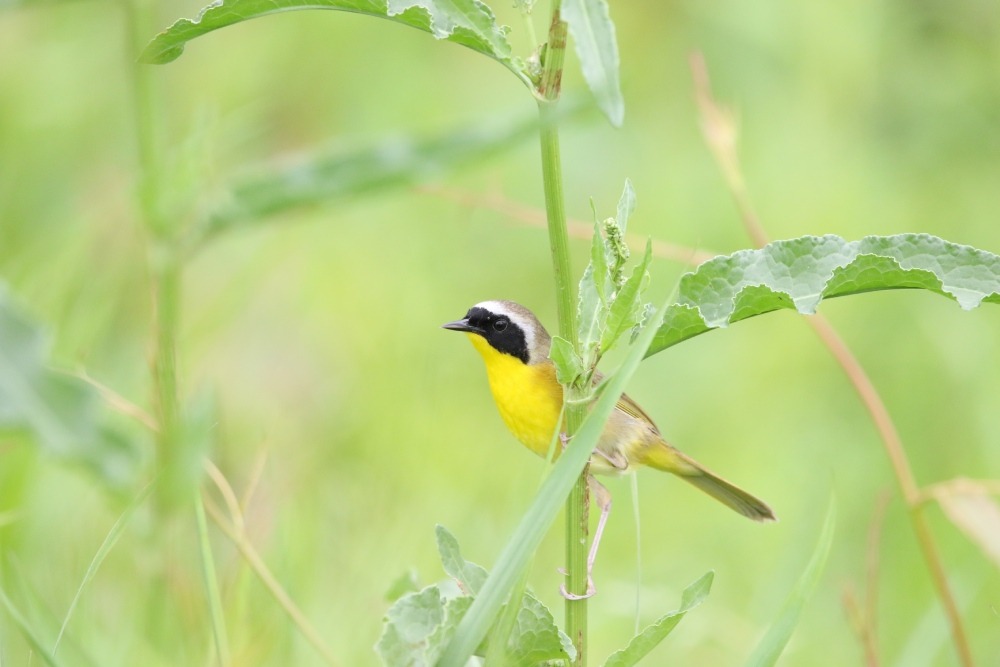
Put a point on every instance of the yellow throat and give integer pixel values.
(527, 395)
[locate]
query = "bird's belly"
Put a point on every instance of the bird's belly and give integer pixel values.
(529, 401)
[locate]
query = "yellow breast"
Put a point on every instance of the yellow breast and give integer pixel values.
(528, 396)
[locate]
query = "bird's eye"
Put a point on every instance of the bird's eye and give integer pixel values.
(500, 325)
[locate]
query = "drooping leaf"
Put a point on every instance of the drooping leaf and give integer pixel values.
(593, 35)
(544, 508)
(467, 22)
(777, 636)
(799, 273)
(327, 175)
(652, 635)
(61, 413)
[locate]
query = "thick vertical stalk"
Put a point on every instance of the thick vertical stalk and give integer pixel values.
(577, 503)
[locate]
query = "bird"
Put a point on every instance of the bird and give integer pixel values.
(515, 350)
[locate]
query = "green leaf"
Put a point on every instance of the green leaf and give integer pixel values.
(594, 36)
(330, 174)
(591, 313)
(466, 22)
(569, 365)
(626, 310)
(777, 636)
(62, 413)
(797, 274)
(652, 635)
(626, 206)
(410, 625)
(544, 508)
(534, 637)
(468, 575)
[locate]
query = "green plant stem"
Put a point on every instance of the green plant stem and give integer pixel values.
(577, 504)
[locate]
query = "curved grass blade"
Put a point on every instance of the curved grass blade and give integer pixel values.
(777, 636)
(15, 615)
(467, 22)
(546, 505)
(102, 552)
(799, 273)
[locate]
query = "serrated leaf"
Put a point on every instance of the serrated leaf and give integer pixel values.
(409, 625)
(569, 366)
(544, 508)
(62, 413)
(626, 310)
(467, 22)
(329, 174)
(593, 35)
(776, 638)
(534, 637)
(652, 635)
(799, 273)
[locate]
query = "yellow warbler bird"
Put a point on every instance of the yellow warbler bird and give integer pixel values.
(515, 348)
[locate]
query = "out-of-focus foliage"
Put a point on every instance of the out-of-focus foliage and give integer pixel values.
(349, 425)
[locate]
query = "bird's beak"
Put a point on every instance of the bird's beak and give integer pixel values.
(462, 325)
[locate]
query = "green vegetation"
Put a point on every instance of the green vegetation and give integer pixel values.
(223, 438)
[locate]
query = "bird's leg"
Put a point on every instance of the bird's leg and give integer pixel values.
(602, 497)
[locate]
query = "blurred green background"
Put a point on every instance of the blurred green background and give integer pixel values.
(317, 330)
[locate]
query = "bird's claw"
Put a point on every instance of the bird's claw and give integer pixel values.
(573, 596)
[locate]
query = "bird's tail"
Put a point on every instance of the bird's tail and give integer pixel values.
(669, 459)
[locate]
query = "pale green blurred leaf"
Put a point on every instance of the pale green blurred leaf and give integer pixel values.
(327, 175)
(774, 641)
(626, 206)
(405, 583)
(594, 37)
(652, 635)
(62, 413)
(797, 274)
(467, 22)
(544, 508)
